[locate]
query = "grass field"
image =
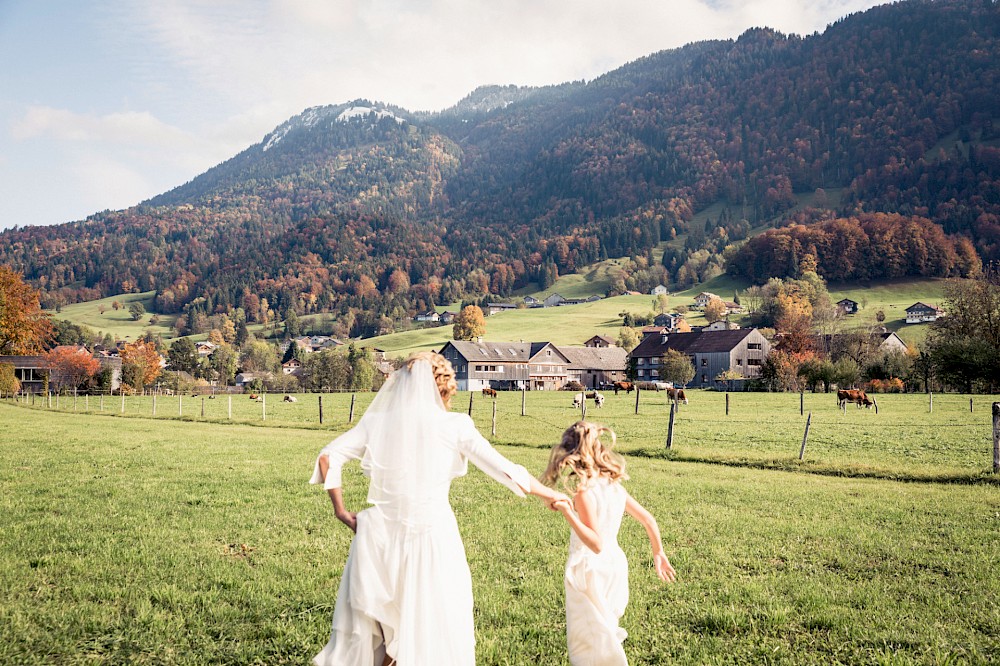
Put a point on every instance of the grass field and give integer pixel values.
(119, 322)
(163, 541)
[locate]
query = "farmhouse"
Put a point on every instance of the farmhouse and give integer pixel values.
(532, 302)
(552, 301)
(595, 366)
(536, 366)
(721, 325)
(919, 313)
(292, 366)
(847, 306)
(494, 308)
(732, 307)
(32, 370)
(430, 315)
(711, 353)
(447, 317)
(600, 341)
(659, 289)
(702, 299)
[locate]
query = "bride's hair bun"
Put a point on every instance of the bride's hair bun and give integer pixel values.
(444, 374)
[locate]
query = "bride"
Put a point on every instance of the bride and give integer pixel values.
(406, 592)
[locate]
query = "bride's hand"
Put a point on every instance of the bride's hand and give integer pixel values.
(350, 519)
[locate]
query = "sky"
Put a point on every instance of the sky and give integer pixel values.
(106, 103)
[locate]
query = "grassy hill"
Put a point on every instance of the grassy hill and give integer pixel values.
(100, 316)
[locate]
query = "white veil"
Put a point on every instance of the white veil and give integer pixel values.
(407, 458)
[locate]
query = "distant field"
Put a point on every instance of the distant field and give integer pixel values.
(141, 541)
(119, 322)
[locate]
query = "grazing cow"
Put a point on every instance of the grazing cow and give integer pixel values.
(598, 399)
(578, 400)
(490, 392)
(857, 396)
(677, 394)
(211, 397)
(290, 398)
(623, 386)
(254, 396)
(868, 402)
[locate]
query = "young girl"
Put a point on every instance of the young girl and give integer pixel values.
(597, 572)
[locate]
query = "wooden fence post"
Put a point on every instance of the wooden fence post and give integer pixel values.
(670, 425)
(321, 410)
(930, 402)
(123, 401)
(86, 401)
(57, 401)
(50, 399)
(970, 405)
(180, 405)
(583, 407)
(102, 402)
(523, 392)
(470, 402)
(637, 400)
(802, 451)
(263, 406)
(494, 429)
(230, 407)
(802, 402)
(154, 405)
(996, 437)
(727, 406)
(202, 406)
(350, 418)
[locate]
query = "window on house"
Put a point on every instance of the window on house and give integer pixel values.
(704, 362)
(704, 379)
(739, 361)
(754, 345)
(753, 361)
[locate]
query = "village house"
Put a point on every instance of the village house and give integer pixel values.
(532, 302)
(448, 317)
(859, 343)
(430, 315)
(494, 308)
(674, 322)
(204, 348)
(919, 313)
(536, 366)
(595, 367)
(702, 299)
(600, 341)
(711, 353)
(732, 307)
(31, 370)
(292, 366)
(721, 325)
(552, 300)
(847, 306)
(659, 289)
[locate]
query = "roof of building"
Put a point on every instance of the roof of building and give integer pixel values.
(595, 358)
(605, 338)
(691, 343)
(846, 300)
(923, 306)
(510, 352)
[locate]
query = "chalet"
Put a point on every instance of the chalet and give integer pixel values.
(430, 315)
(244, 378)
(919, 313)
(732, 307)
(702, 299)
(600, 341)
(448, 317)
(847, 306)
(659, 289)
(672, 321)
(858, 344)
(204, 348)
(537, 366)
(594, 367)
(532, 302)
(711, 353)
(494, 308)
(552, 300)
(721, 325)
(292, 366)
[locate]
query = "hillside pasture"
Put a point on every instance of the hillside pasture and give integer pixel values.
(119, 322)
(148, 541)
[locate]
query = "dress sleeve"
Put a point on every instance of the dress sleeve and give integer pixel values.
(475, 447)
(347, 447)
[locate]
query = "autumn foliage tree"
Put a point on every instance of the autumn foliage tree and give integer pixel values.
(469, 324)
(140, 364)
(715, 310)
(70, 367)
(8, 380)
(24, 328)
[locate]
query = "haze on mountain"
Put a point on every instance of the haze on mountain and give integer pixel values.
(887, 120)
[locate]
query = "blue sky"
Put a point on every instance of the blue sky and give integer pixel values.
(105, 103)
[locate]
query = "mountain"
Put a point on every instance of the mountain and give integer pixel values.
(374, 212)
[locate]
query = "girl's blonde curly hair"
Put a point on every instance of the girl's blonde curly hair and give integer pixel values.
(581, 457)
(444, 374)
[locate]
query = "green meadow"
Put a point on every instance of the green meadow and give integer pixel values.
(119, 322)
(127, 539)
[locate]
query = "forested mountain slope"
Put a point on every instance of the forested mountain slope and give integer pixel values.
(368, 209)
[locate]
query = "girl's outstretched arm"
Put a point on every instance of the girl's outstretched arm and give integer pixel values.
(582, 520)
(663, 568)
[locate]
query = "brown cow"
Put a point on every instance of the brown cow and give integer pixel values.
(678, 394)
(254, 396)
(490, 392)
(857, 396)
(623, 386)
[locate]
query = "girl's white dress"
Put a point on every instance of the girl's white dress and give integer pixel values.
(597, 584)
(406, 589)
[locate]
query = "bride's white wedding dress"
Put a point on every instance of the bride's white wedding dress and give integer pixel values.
(406, 588)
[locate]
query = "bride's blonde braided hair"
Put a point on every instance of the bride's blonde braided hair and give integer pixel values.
(444, 374)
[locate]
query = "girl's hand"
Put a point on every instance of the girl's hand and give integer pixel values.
(350, 519)
(663, 568)
(563, 505)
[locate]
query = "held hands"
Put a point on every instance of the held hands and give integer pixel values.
(663, 568)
